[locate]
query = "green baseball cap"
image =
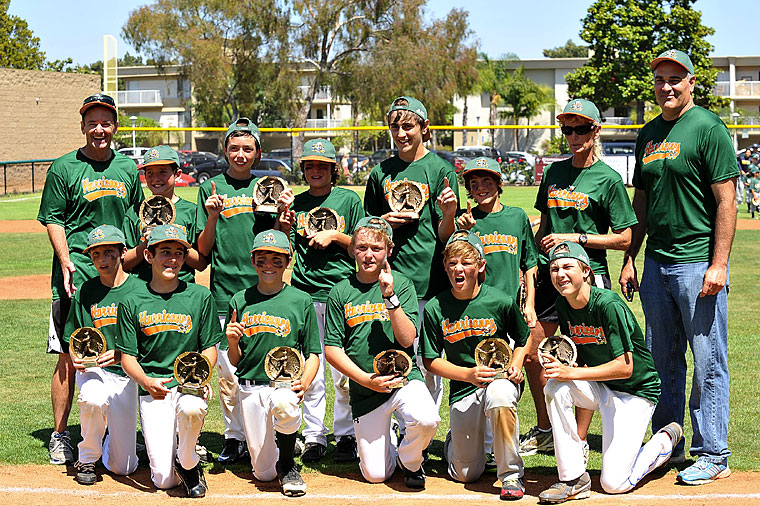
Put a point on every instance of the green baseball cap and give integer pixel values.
(374, 222)
(676, 56)
(319, 149)
(272, 240)
(583, 108)
(473, 240)
(243, 125)
(166, 233)
(569, 249)
(413, 105)
(483, 164)
(104, 234)
(160, 155)
(98, 99)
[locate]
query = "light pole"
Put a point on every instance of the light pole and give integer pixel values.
(735, 115)
(133, 119)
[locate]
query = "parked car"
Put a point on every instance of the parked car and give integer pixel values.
(137, 154)
(182, 180)
(380, 155)
(457, 161)
(266, 167)
(471, 152)
(280, 154)
(188, 160)
(529, 158)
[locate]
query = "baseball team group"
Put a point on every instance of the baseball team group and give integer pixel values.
(410, 275)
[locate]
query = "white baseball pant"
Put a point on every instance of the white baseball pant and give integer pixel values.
(108, 399)
(625, 419)
(376, 443)
(229, 394)
(315, 400)
(265, 410)
(465, 452)
(163, 422)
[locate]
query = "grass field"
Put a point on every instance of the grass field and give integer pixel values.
(25, 413)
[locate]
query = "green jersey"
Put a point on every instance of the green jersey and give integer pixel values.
(156, 328)
(231, 268)
(317, 270)
(509, 246)
(133, 232)
(457, 326)
(357, 321)
(591, 200)
(81, 194)
(604, 330)
(676, 164)
(286, 318)
(417, 254)
(95, 305)
(754, 185)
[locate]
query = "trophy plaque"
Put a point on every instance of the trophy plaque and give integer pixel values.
(495, 353)
(562, 348)
(88, 343)
(321, 218)
(283, 365)
(266, 191)
(393, 363)
(407, 197)
(192, 370)
(156, 210)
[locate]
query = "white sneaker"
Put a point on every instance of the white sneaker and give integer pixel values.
(60, 449)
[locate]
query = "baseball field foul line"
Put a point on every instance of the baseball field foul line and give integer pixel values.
(369, 497)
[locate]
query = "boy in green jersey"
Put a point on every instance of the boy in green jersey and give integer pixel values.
(227, 223)
(455, 322)
(157, 323)
(322, 260)
(754, 191)
(261, 318)
(161, 167)
(107, 397)
(614, 374)
(368, 313)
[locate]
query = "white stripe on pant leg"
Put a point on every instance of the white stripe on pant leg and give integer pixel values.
(377, 454)
(466, 453)
(259, 431)
(500, 403)
(229, 395)
(416, 407)
(191, 412)
(157, 419)
(315, 399)
(92, 400)
(119, 455)
(343, 424)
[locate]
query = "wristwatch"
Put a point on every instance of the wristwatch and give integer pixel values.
(582, 239)
(392, 302)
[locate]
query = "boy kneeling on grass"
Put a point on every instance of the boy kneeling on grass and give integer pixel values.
(157, 323)
(618, 379)
(371, 312)
(260, 318)
(456, 321)
(107, 397)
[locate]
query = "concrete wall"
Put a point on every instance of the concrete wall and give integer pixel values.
(44, 128)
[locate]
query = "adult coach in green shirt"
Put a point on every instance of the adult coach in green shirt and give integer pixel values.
(685, 200)
(89, 187)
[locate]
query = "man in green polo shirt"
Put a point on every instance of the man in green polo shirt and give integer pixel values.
(321, 261)
(89, 187)
(157, 323)
(685, 201)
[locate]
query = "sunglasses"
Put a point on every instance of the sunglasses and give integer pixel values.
(99, 98)
(580, 129)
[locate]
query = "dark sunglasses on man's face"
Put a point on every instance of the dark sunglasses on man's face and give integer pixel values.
(580, 129)
(101, 98)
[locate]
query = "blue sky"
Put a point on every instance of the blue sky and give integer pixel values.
(521, 27)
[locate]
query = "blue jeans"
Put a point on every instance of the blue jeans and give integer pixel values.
(676, 315)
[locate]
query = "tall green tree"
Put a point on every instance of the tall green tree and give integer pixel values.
(492, 76)
(625, 35)
(19, 48)
(569, 50)
(524, 99)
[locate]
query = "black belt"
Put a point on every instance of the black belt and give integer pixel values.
(253, 383)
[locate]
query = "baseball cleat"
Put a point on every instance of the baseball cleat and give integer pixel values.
(345, 449)
(313, 452)
(512, 489)
(193, 479)
(579, 488)
(60, 449)
(291, 481)
(537, 441)
(85, 473)
(232, 450)
(413, 479)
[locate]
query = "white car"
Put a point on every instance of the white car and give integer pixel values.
(137, 154)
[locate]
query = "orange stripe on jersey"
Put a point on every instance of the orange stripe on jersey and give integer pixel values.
(458, 336)
(561, 203)
(584, 340)
(102, 322)
(497, 247)
(149, 331)
(656, 156)
(356, 320)
(237, 210)
(101, 193)
(249, 331)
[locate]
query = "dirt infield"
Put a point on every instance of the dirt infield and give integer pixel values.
(54, 485)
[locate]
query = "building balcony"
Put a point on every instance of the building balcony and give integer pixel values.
(139, 98)
(617, 120)
(742, 89)
(323, 123)
(323, 93)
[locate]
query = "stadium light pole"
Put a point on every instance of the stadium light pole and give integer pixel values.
(133, 119)
(736, 139)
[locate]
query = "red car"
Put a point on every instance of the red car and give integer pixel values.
(182, 180)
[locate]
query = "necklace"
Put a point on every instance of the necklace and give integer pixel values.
(578, 178)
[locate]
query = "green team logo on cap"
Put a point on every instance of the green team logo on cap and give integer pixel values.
(576, 106)
(318, 147)
(150, 155)
(670, 53)
(269, 239)
(172, 232)
(98, 234)
(481, 162)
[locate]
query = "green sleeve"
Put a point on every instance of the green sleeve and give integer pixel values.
(541, 197)
(53, 202)
(617, 328)
(131, 229)
(137, 195)
(717, 151)
(210, 333)
(126, 330)
(74, 319)
(619, 209)
(309, 337)
(518, 329)
(446, 172)
(201, 215)
(431, 338)
(372, 204)
(529, 252)
(335, 326)
(407, 296)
